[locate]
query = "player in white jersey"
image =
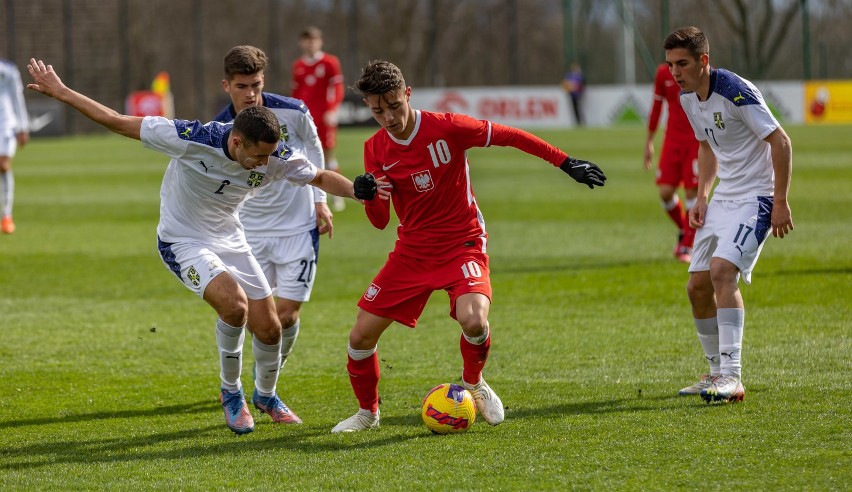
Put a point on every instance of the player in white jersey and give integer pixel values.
(213, 168)
(743, 145)
(14, 133)
(282, 221)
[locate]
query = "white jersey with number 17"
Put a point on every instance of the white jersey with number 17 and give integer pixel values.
(734, 120)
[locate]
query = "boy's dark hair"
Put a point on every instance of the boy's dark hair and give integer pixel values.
(244, 60)
(379, 77)
(257, 124)
(311, 32)
(691, 38)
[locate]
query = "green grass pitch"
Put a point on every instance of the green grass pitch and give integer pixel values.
(110, 377)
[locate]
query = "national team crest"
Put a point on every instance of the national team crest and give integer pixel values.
(285, 136)
(717, 118)
(254, 179)
(423, 181)
(193, 276)
(372, 292)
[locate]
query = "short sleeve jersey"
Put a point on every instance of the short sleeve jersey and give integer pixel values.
(432, 193)
(202, 186)
(734, 120)
(666, 90)
(284, 208)
(319, 82)
(13, 111)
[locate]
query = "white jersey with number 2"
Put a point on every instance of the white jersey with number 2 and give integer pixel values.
(203, 187)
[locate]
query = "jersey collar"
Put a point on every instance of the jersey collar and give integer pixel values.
(413, 132)
(225, 137)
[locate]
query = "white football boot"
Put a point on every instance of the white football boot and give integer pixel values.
(725, 388)
(488, 404)
(705, 382)
(362, 420)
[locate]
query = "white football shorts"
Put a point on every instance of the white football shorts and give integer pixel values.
(196, 264)
(289, 263)
(8, 143)
(734, 230)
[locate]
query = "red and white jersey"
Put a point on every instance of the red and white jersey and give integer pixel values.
(432, 193)
(678, 129)
(319, 82)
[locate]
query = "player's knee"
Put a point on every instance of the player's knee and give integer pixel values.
(361, 338)
(723, 273)
(474, 325)
(699, 291)
(360, 341)
(288, 318)
(234, 311)
(268, 333)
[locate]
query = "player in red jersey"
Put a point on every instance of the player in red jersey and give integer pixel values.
(678, 160)
(441, 241)
(318, 81)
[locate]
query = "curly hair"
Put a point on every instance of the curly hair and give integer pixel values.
(379, 77)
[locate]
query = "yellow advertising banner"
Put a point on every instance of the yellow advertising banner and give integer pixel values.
(828, 101)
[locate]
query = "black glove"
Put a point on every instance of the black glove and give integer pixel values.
(365, 187)
(583, 172)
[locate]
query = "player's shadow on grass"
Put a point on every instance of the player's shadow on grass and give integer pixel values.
(646, 403)
(196, 407)
(539, 267)
(216, 439)
(197, 442)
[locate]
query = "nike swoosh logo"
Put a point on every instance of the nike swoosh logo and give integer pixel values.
(471, 284)
(40, 122)
(388, 166)
(232, 357)
(584, 166)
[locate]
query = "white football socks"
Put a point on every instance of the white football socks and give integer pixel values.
(668, 205)
(230, 340)
(7, 190)
(731, 321)
(332, 165)
(288, 339)
(361, 354)
(267, 360)
(708, 335)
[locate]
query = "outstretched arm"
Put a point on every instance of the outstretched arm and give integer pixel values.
(49, 84)
(363, 189)
(584, 172)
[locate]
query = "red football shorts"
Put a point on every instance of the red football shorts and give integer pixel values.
(404, 284)
(327, 134)
(679, 164)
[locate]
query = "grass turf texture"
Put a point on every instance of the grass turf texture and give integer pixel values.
(110, 376)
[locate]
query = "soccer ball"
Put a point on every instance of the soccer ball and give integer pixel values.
(448, 409)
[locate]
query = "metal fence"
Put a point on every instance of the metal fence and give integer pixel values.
(107, 49)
